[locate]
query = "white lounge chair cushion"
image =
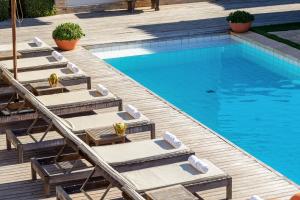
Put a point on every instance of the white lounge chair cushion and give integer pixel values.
(146, 149)
(26, 63)
(79, 124)
(45, 74)
(26, 47)
(168, 175)
(68, 98)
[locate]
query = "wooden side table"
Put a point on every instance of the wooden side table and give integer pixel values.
(103, 137)
(7, 55)
(43, 88)
(177, 192)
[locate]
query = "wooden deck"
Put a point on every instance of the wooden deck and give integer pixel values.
(249, 176)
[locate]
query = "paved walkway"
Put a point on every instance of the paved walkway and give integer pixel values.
(249, 176)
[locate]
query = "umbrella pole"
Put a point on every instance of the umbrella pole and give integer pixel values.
(14, 36)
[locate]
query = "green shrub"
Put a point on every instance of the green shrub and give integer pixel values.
(240, 16)
(38, 8)
(4, 9)
(68, 31)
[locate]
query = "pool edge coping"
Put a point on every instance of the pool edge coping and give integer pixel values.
(152, 40)
(284, 51)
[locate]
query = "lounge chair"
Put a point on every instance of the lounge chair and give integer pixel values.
(72, 101)
(77, 125)
(60, 104)
(123, 157)
(35, 63)
(152, 178)
(104, 120)
(27, 47)
(43, 75)
(65, 75)
(182, 173)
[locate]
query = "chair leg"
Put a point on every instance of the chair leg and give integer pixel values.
(33, 173)
(106, 192)
(229, 189)
(156, 5)
(133, 6)
(120, 107)
(47, 188)
(8, 144)
(129, 6)
(20, 154)
(88, 83)
(152, 4)
(152, 131)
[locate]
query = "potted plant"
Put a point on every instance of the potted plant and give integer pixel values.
(67, 35)
(240, 21)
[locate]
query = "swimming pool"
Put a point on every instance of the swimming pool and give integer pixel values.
(241, 91)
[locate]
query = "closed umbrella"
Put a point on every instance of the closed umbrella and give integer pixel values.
(14, 36)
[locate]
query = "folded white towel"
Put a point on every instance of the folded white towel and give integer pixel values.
(57, 56)
(198, 164)
(73, 68)
(172, 140)
(133, 111)
(103, 90)
(38, 41)
(255, 197)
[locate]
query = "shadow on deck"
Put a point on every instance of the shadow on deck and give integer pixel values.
(213, 25)
(108, 13)
(238, 4)
(25, 23)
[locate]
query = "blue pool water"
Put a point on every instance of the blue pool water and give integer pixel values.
(247, 95)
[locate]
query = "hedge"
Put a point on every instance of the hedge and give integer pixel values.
(31, 8)
(38, 8)
(4, 9)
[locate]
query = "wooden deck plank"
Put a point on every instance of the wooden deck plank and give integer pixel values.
(249, 176)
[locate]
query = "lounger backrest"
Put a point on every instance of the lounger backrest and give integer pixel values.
(107, 170)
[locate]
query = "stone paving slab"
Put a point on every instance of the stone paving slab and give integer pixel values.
(292, 35)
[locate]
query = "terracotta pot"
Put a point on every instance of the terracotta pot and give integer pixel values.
(66, 45)
(240, 27)
(296, 197)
